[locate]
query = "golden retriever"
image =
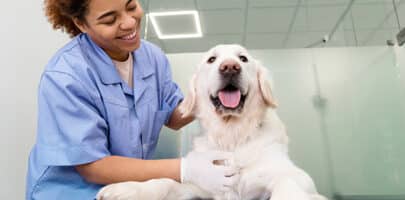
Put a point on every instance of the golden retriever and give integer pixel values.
(231, 97)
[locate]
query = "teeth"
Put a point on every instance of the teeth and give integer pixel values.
(129, 37)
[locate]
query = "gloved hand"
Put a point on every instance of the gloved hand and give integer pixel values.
(198, 168)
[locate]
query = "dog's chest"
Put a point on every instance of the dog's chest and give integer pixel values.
(256, 163)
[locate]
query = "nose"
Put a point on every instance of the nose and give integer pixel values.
(229, 67)
(128, 22)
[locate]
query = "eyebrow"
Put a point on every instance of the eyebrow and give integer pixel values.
(111, 12)
(106, 14)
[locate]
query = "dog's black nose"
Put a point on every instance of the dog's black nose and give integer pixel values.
(229, 67)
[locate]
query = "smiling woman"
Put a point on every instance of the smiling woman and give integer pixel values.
(103, 99)
(114, 27)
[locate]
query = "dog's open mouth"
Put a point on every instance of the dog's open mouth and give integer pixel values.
(229, 98)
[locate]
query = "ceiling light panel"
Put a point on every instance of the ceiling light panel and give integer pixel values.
(173, 24)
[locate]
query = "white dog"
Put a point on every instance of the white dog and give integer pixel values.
(232, 99)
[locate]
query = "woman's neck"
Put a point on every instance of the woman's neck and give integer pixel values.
(118, 56)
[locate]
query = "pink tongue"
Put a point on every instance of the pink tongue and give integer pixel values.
(229, 99)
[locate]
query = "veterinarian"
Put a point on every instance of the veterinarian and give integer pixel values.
(103, 99)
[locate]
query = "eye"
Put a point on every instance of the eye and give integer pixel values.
(243, 58)
(131, 8)
(211, 59)
(110, 22)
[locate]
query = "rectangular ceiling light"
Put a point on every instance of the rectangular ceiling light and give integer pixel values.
(192, 13)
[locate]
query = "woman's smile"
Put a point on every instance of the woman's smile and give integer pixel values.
(130, 36)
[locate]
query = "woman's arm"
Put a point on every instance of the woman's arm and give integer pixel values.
(177, 121)
(113, 169)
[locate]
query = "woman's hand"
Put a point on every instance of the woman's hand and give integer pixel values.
(177, 120)
(199, 168)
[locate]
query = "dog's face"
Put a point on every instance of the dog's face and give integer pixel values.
(228, 81)
(229, 72)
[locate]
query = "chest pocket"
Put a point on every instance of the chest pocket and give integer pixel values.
(160, 117)
(152, 120)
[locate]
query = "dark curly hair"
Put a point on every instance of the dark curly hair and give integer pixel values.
(61, 13)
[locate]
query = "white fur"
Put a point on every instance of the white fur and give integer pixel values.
(255, 135)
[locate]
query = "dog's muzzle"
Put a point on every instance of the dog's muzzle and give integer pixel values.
(229, 97)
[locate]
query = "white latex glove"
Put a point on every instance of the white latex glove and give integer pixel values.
(198, 168)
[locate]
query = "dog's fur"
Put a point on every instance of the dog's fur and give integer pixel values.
(252, 131)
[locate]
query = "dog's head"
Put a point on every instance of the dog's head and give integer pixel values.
(228, 81)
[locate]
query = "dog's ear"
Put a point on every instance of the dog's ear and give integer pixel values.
(188, 104)
(264, 85)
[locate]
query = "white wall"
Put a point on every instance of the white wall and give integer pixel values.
(27, 42)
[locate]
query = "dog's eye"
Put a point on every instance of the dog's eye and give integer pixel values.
(243, 58)
(211, 59)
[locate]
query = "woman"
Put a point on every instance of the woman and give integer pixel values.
(103, 99)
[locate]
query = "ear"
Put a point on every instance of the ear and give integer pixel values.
(188, 104)
(264, 86)
(80, 25)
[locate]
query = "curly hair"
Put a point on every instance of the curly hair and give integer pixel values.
(60, 14)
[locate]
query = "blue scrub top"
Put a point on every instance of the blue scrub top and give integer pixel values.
(86, 112)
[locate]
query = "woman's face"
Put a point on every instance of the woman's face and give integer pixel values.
(114, 25)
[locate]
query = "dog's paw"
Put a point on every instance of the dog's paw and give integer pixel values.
(318, 197)
(120, 191)
(287, 188)
(155, 189)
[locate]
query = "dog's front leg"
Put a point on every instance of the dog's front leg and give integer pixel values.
(288, 189)
(155, 189)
